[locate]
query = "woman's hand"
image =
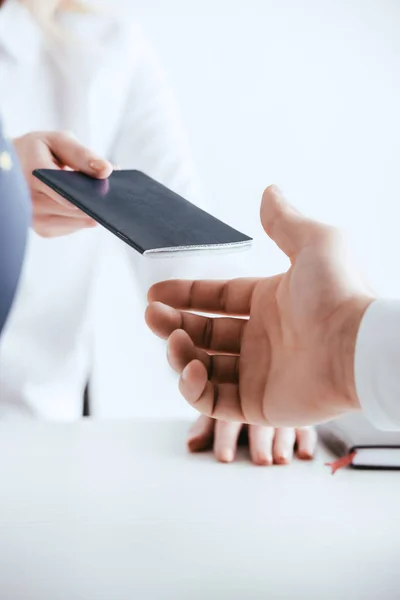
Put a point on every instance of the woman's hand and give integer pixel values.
(53, 215)
(267, 445)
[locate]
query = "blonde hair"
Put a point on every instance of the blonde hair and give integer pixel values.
(45, 11)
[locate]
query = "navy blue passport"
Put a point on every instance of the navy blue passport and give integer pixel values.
(144, 213)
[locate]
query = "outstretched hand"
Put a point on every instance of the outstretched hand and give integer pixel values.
(283, 352)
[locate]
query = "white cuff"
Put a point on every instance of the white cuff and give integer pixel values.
(377, 364)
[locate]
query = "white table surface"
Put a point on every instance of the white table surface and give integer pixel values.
(118, 511)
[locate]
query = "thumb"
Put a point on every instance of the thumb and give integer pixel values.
(288, 228)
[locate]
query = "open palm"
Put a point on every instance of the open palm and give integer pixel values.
(279, 355)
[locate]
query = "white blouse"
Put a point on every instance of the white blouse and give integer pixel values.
(82, 297)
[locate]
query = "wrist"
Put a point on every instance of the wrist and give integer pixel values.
(345, 328)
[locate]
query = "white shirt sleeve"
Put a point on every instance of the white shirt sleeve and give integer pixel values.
(377, 364)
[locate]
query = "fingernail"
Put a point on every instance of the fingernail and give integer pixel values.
(263, 460)
(282, 459)
(304, 455)
(97, 165)
(227, 455)
(194, 444)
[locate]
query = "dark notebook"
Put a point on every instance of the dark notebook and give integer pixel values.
(353, 436)
(144, 213)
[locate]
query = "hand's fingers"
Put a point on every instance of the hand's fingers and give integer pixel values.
(289, 229)
(217, 297)
(220, 401)
(225, 440)
(42, 156)
(41, 190)
(49, 227)
(69, 152)
(162, 319)
(260, 443)
(45, 204)
(284, 441)
(201, 434)
(306, 442)
(215, 334)
(181, 351)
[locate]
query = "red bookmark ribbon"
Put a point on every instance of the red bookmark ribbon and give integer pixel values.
(341, 463)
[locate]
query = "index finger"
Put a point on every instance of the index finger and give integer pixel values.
(218, 297)
(71, 153)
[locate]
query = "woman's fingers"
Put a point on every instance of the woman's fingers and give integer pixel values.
(306, 442)
(215, 334)
(40, 190)
(54, 226)
(266, 444)
(284, 441)
(52, 218)
(260, 443)
(201, 434)
(226, 435)
(46, 205)
(68, 151)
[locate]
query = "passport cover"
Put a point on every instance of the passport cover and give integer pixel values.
(142, 212)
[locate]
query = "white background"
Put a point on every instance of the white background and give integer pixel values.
(304, 94)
